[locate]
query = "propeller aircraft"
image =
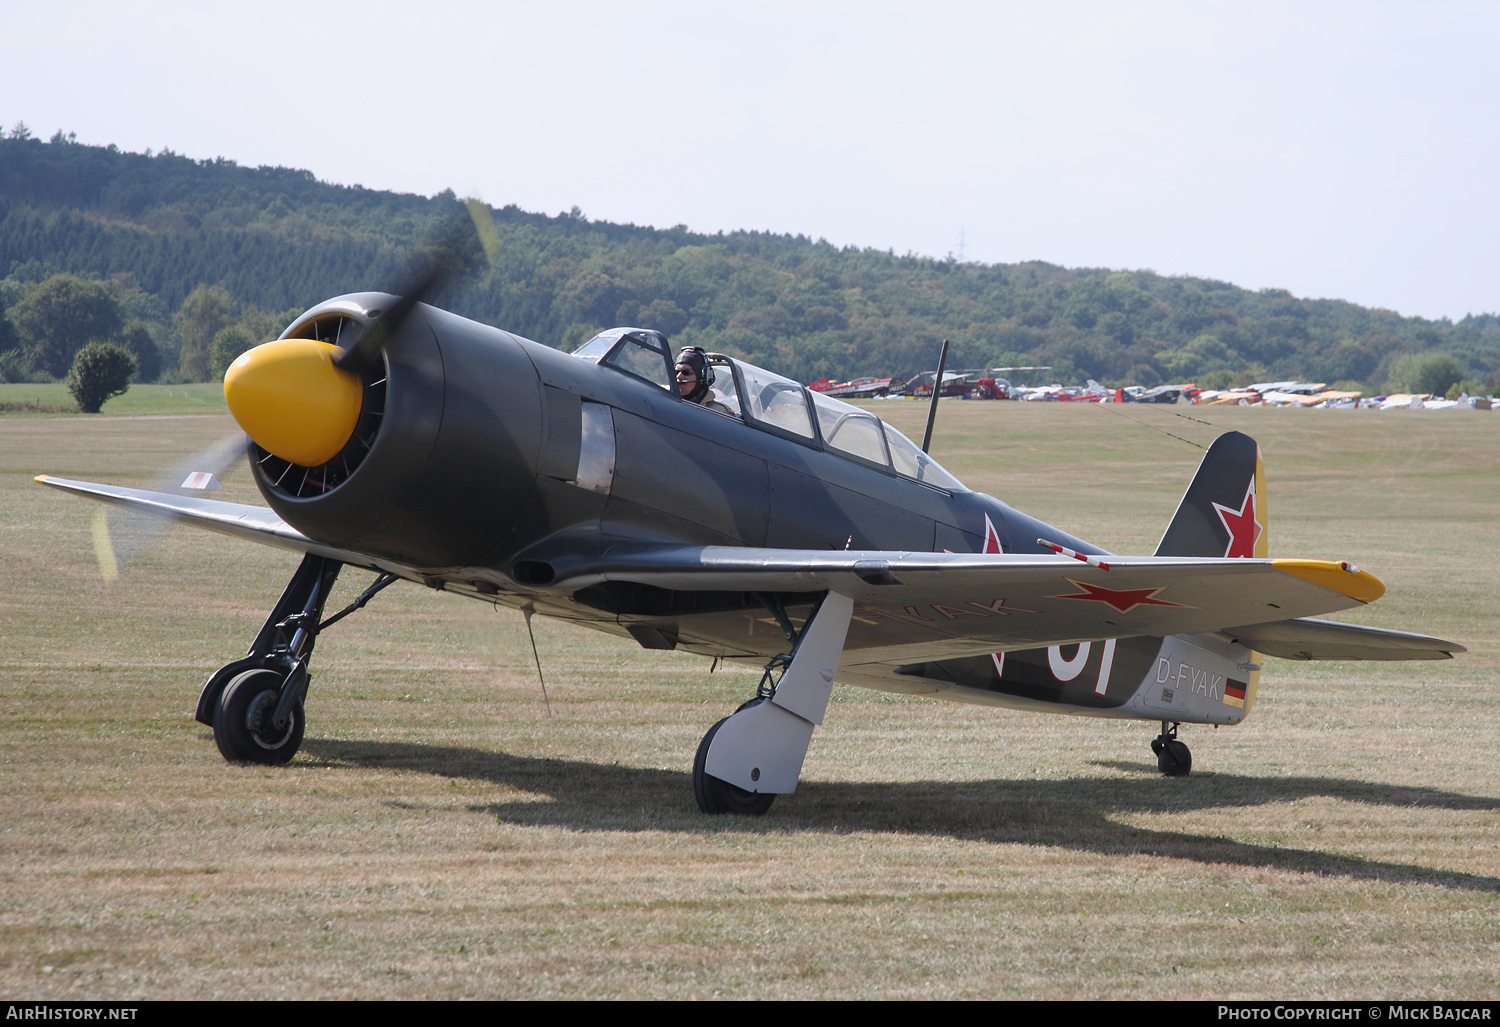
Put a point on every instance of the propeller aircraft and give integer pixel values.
(778, 527)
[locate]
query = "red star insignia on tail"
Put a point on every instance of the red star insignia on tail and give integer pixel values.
(1123, 599)
(1244, 530)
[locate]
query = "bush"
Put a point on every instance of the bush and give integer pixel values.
(100, 372)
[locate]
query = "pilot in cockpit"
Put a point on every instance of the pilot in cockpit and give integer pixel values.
(695, 379)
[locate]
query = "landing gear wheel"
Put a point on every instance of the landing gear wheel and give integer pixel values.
(1173, 758)
(242, 720)
(716, 796)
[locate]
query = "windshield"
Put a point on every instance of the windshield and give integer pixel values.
(643, 353)
(598, 345)
(645, 356)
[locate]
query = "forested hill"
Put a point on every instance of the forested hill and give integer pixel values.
(189, 248)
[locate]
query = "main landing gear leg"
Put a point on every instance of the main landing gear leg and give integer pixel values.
(255, 705)
(756, 753)
(1172, 757)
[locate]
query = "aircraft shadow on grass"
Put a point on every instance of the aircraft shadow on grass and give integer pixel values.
(1070, 814)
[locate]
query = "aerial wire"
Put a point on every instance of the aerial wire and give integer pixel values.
(527, 611)
(1179, 438)
(1198, 419)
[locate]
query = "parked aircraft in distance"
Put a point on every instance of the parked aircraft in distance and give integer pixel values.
(859, 388)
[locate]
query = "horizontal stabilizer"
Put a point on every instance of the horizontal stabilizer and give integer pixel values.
(1305, 639)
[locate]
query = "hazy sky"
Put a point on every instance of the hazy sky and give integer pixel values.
(1336, 149)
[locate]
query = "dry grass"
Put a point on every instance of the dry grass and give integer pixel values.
(440, 836)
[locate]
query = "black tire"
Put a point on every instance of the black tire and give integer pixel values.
(715, 796)
(241, 720)
(1173, 758)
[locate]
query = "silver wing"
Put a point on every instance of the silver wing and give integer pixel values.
(908, 607)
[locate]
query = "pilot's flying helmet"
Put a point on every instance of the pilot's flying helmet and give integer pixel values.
(694, 357)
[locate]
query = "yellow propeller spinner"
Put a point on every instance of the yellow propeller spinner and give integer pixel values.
(291, 400)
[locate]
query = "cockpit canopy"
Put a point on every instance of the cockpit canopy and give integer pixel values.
(775, 404)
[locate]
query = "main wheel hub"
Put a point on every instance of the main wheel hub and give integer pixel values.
(258, 721)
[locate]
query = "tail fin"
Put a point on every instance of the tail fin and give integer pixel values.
(1223, 512)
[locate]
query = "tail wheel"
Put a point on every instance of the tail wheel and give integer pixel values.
(242, 720)
(1172, 757)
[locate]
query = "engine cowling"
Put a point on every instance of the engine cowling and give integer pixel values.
(443, 451)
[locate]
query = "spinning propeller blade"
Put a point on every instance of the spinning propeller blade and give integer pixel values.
(366, 349)
(445, 261)
(120, 536)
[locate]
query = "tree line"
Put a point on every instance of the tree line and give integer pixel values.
(202, 258)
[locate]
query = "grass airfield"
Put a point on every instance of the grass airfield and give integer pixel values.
(441, 836)
(163, 400)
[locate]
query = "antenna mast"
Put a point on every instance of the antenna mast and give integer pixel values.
(937, 390)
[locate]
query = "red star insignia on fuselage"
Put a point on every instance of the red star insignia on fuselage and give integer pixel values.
(1123, 599)
(991, 536)
(1244, 530)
